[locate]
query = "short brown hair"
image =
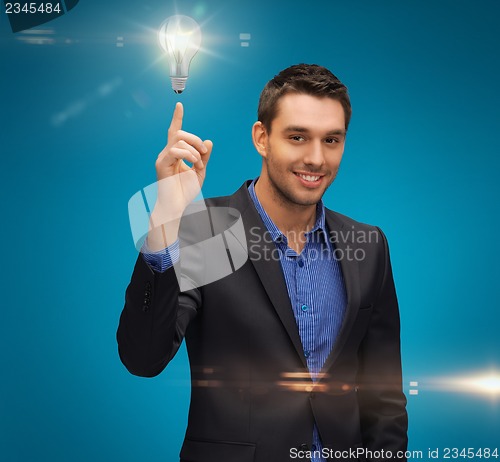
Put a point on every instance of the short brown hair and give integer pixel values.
(309, 79)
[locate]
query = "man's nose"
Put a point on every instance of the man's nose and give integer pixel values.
(315, 155)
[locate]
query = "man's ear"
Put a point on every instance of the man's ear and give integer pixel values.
(259, 137)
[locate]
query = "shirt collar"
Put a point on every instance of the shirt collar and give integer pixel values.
(276, 235)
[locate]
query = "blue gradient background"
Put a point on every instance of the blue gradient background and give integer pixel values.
(421, 161)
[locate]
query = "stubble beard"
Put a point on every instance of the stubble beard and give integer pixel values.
(283, 190)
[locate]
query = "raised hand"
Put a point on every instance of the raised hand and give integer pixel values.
(178, 183)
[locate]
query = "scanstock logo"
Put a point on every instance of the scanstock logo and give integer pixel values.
(26, 14)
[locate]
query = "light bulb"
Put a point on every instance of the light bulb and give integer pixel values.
(180, 37)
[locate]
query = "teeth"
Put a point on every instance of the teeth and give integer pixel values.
(309, 177)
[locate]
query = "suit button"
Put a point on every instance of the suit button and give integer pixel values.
(303, 447)
(145, 308)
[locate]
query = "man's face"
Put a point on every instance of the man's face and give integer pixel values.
(302, 153)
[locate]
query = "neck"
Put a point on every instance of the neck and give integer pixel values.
(289, 217)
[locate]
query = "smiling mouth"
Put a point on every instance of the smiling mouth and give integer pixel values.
(309, 178)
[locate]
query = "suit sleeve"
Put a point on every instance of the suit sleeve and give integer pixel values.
(161, 260)
(384, 420)
(154, 319)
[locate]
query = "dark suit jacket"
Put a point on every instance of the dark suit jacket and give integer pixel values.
(252, 398)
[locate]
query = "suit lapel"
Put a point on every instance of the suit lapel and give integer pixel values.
(343, 241)
(262, 254)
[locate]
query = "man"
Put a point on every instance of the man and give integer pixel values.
(295, 355)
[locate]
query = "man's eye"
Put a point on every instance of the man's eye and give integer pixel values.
(331, 140)
(297, 138)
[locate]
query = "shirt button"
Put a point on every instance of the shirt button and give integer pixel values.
(304, 308)
(300, 262)
(307, 353)
(313, 447)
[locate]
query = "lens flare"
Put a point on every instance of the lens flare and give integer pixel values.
(487, 384)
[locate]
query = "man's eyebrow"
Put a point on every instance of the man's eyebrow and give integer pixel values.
(337, 132)
(295, 128)
(298, 129)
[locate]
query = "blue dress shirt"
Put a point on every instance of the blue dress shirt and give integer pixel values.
(317, 292)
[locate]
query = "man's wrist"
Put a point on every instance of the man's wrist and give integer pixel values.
(163, 259)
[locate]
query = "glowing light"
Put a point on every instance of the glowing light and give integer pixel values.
(486, 384)
(180, 38)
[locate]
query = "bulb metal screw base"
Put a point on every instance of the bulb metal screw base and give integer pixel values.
(178, 84)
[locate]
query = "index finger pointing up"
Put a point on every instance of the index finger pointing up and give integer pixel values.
(176, 123)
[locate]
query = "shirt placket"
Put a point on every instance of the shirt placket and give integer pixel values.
(305, 308)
